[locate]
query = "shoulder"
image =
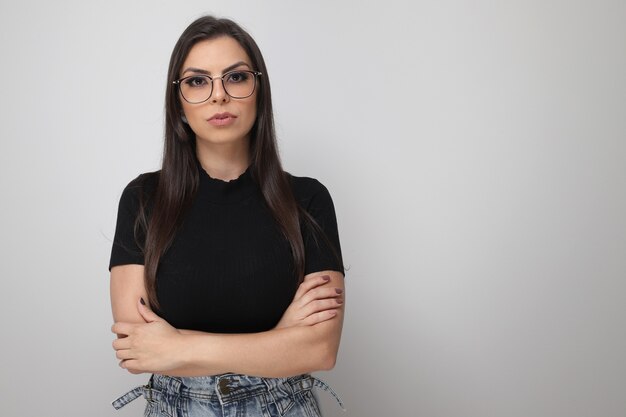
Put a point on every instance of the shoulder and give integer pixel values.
(305, 187)
(146, 183)
(140, 188)
(309, 191)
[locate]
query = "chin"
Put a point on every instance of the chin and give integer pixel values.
(221, 139)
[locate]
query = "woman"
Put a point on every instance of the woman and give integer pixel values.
(226, 272)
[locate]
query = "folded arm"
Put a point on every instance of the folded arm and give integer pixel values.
(306, 339)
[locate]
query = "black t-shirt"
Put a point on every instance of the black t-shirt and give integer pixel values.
(229, 268)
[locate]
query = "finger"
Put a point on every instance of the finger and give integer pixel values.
(123, 343)
(325, 277)
(310, 283)
(320, 305)
(122, 328)
(131, 365)
(145, 311)
(320, 317)
(319, 294)
(124, 354)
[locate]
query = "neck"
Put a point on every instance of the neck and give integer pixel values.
(224, 162)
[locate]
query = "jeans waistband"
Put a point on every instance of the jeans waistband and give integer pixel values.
(226, 388)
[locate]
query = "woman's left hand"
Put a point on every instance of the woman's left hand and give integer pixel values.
(153, 346)
(314, 302)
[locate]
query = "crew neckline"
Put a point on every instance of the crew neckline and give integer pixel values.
(225, 192)
(219, 179)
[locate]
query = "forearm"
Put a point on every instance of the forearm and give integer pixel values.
(274, 353)
(307, 340)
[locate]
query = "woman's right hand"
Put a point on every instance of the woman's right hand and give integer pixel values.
(312, 304)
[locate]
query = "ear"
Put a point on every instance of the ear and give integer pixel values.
(148, 315)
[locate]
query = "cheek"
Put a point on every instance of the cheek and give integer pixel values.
(194, 119)
(187, 110)
(194, 114)
(252, 113)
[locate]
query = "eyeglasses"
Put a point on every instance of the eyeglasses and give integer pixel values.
(198, 88)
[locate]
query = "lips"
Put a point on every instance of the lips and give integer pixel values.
(222, 119)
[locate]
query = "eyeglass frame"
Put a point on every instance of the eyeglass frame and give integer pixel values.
(180, 80)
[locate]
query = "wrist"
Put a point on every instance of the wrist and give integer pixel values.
(197, 350)
(184, 348)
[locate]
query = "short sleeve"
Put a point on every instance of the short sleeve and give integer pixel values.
(127, 244)
(322, 247)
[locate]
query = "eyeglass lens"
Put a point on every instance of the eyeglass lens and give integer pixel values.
(237, 84)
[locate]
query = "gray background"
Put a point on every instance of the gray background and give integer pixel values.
(475, 150)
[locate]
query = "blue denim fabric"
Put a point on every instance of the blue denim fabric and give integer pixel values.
(228, 395)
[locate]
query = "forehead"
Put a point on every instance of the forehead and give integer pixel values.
(213, 55)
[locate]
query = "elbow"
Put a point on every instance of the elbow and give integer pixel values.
(328, 363)
(322, 345)
(327, 357)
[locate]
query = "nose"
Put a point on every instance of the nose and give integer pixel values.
(219, 93)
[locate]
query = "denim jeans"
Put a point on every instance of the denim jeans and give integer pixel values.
(228, 395)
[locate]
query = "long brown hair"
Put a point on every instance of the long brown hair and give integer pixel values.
(178, 179)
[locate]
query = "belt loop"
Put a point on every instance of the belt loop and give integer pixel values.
(280, 393)
(148, 387)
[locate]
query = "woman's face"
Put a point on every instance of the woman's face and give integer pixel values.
(221, 120)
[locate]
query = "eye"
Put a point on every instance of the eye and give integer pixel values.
(196, 81)
(237, 77)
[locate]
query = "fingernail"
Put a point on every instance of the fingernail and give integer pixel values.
(338, 290)
(325, 277)
(339, 300)
(142, 301)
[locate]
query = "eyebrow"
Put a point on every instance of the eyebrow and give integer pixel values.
(225, 70)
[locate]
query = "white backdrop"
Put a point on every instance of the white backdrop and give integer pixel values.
(475, 150)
